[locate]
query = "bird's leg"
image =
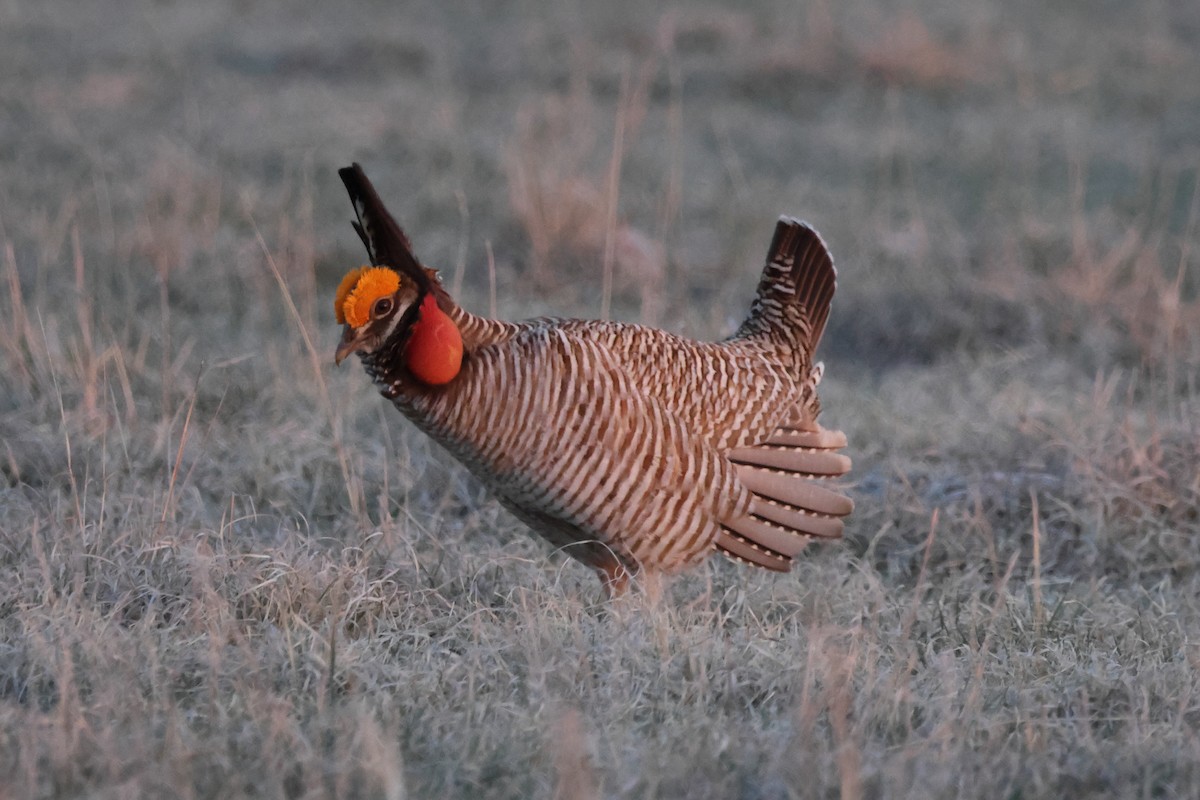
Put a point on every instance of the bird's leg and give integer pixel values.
(614, 576)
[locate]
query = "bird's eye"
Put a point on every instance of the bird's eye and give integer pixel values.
(382, 306)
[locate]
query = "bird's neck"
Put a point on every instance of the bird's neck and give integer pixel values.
(479, 331)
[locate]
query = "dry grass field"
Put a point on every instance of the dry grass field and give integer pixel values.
(229, 570)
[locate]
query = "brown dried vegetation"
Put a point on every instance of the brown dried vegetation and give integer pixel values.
(230, 571)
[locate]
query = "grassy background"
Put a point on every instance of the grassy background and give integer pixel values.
(229, 570)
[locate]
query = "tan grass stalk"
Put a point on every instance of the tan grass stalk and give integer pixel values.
(353, 491)
(1039, 614)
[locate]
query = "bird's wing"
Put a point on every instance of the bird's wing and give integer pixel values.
(787, 473)
(551, 421)
(790, 502)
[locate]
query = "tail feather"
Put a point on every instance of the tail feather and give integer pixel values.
(797, 285)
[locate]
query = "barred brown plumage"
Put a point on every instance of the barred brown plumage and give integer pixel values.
(628, 447)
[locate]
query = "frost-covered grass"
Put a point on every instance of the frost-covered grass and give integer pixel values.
(230, 570)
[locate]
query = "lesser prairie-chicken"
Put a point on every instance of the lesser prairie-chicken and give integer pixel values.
(628, 447)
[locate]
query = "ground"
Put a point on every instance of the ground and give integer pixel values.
(231, 570)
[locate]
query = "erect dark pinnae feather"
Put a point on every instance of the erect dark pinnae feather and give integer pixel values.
(386, 243)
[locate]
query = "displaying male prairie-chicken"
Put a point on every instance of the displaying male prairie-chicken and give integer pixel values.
(627, 447)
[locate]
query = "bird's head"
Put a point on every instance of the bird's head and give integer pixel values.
(390, 310)
(380, 309)
(371, 302)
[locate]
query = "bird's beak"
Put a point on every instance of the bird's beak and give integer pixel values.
(350, 342)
